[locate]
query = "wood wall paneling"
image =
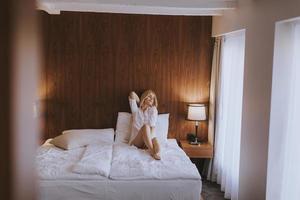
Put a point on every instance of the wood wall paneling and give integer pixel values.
(6, 162)
(93, 60)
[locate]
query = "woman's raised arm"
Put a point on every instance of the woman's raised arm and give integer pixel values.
(133, 100)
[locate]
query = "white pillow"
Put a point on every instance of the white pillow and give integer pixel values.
(162, 127)
(123, 127)
(71, 139)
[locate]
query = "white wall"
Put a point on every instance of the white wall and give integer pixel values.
(25, 65)
(258, 17)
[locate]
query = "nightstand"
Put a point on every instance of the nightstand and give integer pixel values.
(197, 153)
(204, 150)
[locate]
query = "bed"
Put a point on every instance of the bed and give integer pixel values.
(126, 173)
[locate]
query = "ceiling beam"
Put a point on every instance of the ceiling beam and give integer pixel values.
(154, 7)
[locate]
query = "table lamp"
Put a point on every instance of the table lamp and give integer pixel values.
(197, 113)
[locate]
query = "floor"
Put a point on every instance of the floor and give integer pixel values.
(211, 191)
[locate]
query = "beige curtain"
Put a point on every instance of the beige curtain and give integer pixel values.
(214, 86)
(214, 89)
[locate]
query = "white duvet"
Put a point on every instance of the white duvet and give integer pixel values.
(131, 163)
(91, 162)
(117, 161)
(96, 159)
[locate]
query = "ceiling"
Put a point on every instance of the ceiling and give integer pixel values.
(153, 7)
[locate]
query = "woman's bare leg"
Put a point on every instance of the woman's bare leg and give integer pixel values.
(146, 132)
(156, 147)
(155, 143)
(143, 138)
(138, 140)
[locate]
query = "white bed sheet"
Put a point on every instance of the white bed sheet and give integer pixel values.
(182, 189)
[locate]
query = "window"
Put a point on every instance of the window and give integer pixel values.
(284, 149)
(228, 114)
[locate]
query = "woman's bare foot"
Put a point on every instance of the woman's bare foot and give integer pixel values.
(156, 156)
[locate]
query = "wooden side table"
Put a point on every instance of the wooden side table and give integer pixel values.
(204, 150)
(197, 153)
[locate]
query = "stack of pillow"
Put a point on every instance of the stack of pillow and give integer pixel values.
(71, 139)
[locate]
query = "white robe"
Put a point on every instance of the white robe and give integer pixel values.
(140, 118)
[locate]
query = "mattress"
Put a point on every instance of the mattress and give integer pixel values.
(181, 189)
(133, 175)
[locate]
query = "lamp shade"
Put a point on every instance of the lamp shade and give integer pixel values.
(196, 112)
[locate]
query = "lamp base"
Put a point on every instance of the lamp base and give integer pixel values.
(195, 142)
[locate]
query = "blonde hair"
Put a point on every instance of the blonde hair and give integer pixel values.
(146, 94)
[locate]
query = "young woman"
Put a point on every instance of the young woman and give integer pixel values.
(144, 122)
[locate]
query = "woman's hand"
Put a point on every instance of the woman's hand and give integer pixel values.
(133, 95)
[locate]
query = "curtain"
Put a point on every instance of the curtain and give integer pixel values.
(291, 173)
(228, 114)
(214, 89)
(214, 83)
(284, 149)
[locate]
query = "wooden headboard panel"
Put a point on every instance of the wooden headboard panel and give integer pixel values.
(93, 60)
